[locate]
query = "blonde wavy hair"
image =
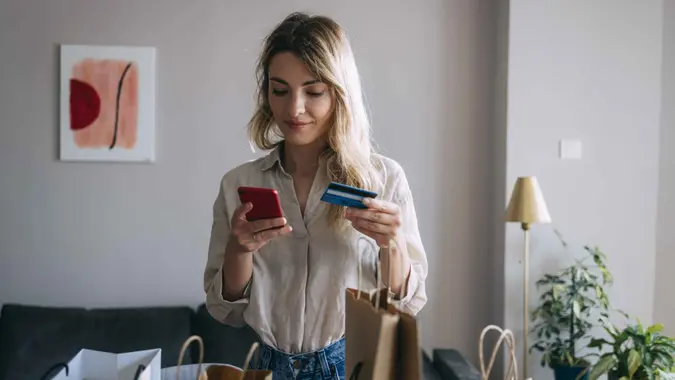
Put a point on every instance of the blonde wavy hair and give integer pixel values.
(323, 46)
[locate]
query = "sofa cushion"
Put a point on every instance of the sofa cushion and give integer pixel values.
(34, 338)
(222, 343)
(126, 330)
(452, 365)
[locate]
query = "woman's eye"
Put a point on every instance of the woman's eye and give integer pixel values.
(279, 92)
(316, 94)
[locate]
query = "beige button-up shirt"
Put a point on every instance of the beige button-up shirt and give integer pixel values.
(295, 300)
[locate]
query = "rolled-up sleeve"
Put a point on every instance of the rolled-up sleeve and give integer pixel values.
(415, 295)
(227, 312)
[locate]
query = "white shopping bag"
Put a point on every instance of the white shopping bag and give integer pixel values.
(98, 365)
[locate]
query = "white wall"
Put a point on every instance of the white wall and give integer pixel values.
(664, 308)
(589, 71)
(69, 232)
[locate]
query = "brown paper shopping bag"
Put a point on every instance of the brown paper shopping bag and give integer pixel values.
(381, 341)
(371, 337)
(221, 372)
(224, 372)
(409, 354)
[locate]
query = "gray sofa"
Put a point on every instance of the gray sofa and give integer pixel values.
(34, 338)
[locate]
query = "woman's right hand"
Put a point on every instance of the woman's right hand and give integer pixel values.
(246, 237)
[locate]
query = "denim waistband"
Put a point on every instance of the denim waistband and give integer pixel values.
(326, 363)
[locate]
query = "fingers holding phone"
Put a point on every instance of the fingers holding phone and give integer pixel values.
(250, 236)
(258, 220)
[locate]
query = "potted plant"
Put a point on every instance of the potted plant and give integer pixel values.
(636, 353)
(571, 303)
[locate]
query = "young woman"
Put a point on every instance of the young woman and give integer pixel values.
(286, 277)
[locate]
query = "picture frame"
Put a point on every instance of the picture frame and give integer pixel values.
(107, 103)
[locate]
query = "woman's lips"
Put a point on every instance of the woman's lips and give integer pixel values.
(297, 124)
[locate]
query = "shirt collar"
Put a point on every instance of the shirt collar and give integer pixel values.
(272, 158)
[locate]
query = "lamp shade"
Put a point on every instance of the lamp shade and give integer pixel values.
(527, 203)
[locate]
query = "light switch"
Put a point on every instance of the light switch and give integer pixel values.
(570, 149)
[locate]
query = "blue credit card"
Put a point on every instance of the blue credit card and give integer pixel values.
(344, 195)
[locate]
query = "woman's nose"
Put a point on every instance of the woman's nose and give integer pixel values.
(297, 106)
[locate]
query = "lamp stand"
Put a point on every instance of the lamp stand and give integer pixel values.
(526, 281)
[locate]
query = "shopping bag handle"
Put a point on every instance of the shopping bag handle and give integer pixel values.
(200, 375)
(54, 367)
(378, 270)
(356, 372)
(358, 268)
(139, 371)
(505, 336)
(254, 349)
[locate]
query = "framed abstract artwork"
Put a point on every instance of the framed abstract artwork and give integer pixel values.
(107, 103)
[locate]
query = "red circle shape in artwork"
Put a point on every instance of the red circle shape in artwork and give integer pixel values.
(85, 104)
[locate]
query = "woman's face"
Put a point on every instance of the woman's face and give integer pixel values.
(300, 104)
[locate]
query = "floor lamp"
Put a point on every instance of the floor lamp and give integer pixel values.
(527, 206)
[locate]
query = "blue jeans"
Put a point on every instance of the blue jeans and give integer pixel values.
(327, 363)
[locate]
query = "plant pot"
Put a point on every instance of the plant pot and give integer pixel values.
(565, 372)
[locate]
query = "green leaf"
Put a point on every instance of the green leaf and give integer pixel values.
(577, 309)
(658, 327)
(603, 366)
(634, 361)
(597, 343)
(611, 331)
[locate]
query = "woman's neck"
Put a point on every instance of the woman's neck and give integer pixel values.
(302, 160)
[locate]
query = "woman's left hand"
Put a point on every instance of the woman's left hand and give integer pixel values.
(380, 221)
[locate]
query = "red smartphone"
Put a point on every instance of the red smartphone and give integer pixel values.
(265, 201)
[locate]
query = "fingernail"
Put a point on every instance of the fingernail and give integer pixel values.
(283, 220)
